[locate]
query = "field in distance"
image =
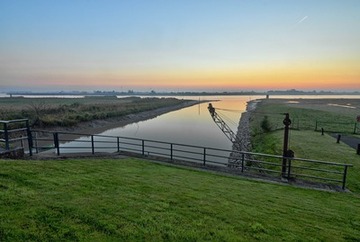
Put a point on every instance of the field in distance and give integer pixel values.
(67, 112)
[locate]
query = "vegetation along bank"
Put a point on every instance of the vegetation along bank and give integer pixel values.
(89, 112)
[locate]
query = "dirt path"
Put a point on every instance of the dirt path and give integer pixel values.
(351, 141)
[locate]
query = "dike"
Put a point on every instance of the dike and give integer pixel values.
(244, 131)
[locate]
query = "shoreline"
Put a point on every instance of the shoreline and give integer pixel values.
(99, 126)
(243, 131)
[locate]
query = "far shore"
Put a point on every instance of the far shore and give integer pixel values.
(100, 126)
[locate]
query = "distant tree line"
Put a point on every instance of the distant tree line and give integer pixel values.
(187, 93)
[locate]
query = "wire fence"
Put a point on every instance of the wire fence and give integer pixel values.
(338, 127)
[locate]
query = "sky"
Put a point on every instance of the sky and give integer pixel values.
(179, 45)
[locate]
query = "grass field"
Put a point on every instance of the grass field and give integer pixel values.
(136, 200)
(304, 115)
(66, 112)
(303, 140)
(334, 115)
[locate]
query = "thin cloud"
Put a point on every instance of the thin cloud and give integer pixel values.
(302, 20)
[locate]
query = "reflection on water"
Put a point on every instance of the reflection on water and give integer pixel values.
(192, 125)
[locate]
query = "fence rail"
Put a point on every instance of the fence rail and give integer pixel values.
(14, 133)
(247, 162)
(346, 127)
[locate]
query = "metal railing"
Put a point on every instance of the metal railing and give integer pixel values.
(14, 133)
(345, 127)
(246, 162)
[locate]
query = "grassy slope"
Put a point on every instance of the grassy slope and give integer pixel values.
(312, 145)
(130, 199)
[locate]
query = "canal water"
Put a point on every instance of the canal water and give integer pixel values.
(191, 126)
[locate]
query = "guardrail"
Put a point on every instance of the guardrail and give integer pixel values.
(15, 132)
(246, 162)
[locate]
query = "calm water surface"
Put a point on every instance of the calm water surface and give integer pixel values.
(194, 125)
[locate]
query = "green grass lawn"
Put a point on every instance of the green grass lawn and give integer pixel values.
(306, 113)
(303, 140)
(312, 145)
(136, 200)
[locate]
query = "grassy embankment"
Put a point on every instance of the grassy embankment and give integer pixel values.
(132, 199)
(65, 112)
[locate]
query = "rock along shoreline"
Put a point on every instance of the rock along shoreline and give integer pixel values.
(244, 127)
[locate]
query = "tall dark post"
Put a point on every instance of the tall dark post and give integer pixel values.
(287, 123)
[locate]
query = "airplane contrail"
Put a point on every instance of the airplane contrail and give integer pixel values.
(302, 19)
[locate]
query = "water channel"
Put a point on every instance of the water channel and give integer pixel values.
(192, 125)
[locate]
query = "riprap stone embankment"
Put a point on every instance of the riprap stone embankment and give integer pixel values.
(243, 131)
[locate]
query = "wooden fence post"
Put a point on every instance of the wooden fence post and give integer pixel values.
(338, 138)
(171, 151)
(56, 142)
(143, 146)
(204, 156)
(92, 145)
(344, 177)
(30, 139)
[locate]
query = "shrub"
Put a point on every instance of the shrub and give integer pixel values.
(265, 125)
